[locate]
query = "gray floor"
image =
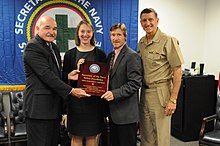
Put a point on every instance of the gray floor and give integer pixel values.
(177, 142)
(174, 141)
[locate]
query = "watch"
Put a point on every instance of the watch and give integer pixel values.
(172, 100)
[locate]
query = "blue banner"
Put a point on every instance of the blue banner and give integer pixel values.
(18, 20)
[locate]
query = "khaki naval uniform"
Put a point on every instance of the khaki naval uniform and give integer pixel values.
(159, 57)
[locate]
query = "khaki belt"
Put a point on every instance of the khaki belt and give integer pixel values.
(157, 84)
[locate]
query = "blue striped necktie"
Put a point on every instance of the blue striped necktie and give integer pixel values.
(51, 48)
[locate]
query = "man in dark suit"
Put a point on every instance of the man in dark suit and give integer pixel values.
(44, 87)
(124, 83)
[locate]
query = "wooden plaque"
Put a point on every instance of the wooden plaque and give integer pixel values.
(93, 78)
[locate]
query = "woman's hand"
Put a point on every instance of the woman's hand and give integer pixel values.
(73, 75)
(81, 61)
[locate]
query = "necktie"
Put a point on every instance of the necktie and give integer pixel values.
(51, 48)
(111, 63)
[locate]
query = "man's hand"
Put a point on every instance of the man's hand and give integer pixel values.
(108, 96)
(78, 92)
(170, 108)
(73, 75)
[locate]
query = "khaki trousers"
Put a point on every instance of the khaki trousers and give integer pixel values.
(154, 125)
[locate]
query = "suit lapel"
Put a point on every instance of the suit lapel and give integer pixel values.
(47, 48)
(57, 54)
(43, 44)
(118, 60)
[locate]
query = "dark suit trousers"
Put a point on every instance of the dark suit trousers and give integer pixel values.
(123, 135)
(42, 132)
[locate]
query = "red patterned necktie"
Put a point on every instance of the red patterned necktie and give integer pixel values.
(111, 63)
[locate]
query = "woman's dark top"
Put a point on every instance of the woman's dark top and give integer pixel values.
(85, 116)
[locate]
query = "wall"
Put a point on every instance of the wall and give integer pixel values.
(212, 40)
(195, 24)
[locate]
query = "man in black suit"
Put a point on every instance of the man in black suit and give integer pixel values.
(44, 87)
(124, 82)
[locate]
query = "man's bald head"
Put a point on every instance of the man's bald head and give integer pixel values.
(46, 28)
